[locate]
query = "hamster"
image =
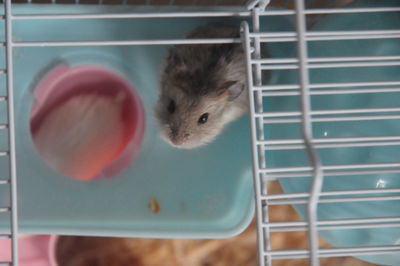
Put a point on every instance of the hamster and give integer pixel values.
(203, 88)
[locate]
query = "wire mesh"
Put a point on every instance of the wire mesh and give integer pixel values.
(306, 116)
(253, 39)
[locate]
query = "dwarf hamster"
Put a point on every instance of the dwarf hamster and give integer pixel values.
(202, 88)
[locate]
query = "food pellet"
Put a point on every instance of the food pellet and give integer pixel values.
(154, 205)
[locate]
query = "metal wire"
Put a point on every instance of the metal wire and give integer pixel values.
(124, 43)
(335, 252)
(332, 193)
(350, 199)
(333, 173)
(334, 145)
(262, 240)
(133, 15)
(325, 59)
(332, 112)
(201, 14)
(329, 35)
(11, 128)
(257, 4)
(308, 135)
(330, 167)
(338, 222)
(352, 10)
(328, 85)
(259, 108)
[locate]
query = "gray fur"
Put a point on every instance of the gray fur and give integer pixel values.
(203, 78)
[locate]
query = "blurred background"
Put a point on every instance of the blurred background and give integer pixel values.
(237, 251)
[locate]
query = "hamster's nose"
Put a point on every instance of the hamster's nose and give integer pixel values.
(178, 138)
(177, 141)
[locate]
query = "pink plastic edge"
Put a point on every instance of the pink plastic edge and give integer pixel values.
(132, 149)
(46, 87)
(52, 248)
(50, 251)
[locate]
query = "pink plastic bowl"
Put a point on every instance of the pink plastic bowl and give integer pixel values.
(63, 83)
(34, 250)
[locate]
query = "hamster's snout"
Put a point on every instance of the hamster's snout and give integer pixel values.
(178, 137)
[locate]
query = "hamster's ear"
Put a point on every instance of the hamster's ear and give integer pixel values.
(231, 89)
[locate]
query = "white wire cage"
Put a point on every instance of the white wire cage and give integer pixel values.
(10, 211)
(252, 39)
(308, 114)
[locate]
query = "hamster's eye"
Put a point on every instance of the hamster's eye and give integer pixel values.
(171, 107)
(203, 118)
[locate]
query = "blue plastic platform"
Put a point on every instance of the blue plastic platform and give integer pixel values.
(202, 193)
